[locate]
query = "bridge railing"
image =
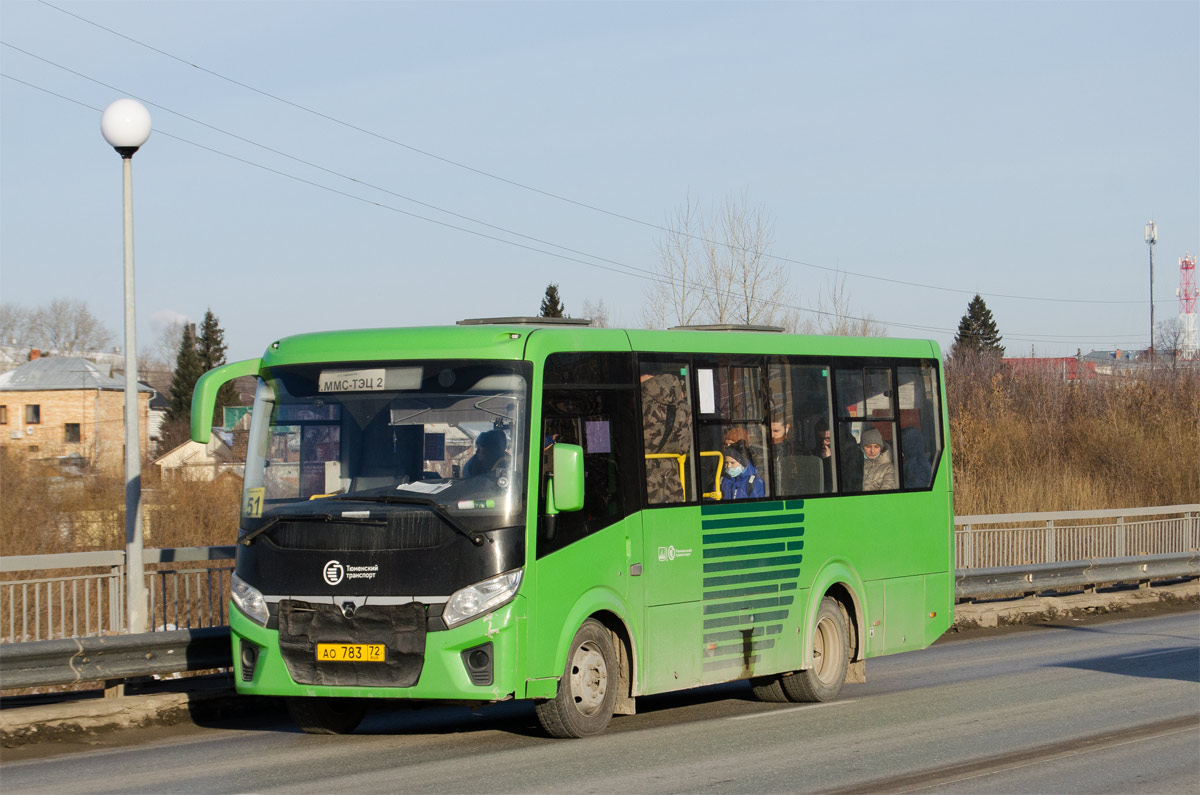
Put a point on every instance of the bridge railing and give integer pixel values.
(45, 597)
(1022, 539)
(82, 594)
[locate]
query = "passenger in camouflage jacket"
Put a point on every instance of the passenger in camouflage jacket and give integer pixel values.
(666, 428)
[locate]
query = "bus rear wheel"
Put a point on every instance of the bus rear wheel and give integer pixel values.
(326, 715)
(831, 658)
(588, 688)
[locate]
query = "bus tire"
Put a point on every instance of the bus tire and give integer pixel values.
(768, 688)
(831, 658)
(587, 691)
(326, 715)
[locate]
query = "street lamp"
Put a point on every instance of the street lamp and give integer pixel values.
(125, 124)
(1151, 239)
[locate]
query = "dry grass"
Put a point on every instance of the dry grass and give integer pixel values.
(43, 511)
(1037, 443)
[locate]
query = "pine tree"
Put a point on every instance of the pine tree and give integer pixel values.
(211, 348)
(188, 369)
(551, 305)
(977, 332)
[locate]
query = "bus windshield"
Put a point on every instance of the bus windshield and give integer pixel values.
(442, 433)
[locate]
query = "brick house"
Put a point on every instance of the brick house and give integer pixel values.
(68, 409)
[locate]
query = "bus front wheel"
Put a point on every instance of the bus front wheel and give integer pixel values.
(588, 688)
(326, 715)
(831, 658)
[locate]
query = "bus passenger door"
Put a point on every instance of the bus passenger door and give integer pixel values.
(588, 561)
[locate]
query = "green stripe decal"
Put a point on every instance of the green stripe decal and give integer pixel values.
(752, 535)
(758, 576)
(728, 552)
(716, 508)
(745, 618)
(740, 648)
(752, 521)
(747, 591)
(753, 563)
(740, 634)
(748, 604)
(750, 590)
(735, 662)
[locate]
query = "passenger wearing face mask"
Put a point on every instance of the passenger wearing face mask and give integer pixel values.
(740, 480)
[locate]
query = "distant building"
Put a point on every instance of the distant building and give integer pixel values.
(195, 461)
(1066, 368)
(69, 409)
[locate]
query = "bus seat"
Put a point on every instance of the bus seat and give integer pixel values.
(800, 474)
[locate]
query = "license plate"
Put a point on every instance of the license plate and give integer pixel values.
(350, 652)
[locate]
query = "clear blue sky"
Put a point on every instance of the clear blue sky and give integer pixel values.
(1014, 149)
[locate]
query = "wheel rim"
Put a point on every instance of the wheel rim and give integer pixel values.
(589, 678)
(827, 651)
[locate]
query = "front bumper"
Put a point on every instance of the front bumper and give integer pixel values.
(444, 673)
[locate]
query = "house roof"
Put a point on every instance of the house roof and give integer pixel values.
(62, 372)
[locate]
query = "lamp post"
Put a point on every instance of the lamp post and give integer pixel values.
(1151, 239)
(125, 124)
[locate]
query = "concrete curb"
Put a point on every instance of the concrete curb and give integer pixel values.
(986, 615)
(74, 719)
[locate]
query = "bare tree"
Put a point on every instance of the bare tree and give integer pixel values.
(717, 268)
(1169, 339)
(675, 297)
(597, 313)
(15, 324)
(67, 327)
(835, 317)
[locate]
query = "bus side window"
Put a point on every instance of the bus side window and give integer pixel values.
(588, 400)
(667, 432)
(732, 415)
(920, 425)
(865, 411)
(800, 419)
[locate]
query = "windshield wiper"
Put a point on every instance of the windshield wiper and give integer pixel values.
(276, 519)
(477, 538)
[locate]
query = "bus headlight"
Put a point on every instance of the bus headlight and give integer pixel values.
(248, 599)
(474, 600)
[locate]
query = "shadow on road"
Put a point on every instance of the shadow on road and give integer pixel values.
(1181, 664)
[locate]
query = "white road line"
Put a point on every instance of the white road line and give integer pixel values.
(772, 712)
(1150, 654)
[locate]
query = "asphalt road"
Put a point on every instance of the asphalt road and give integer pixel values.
(1095, 708)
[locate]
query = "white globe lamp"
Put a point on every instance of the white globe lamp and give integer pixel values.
(125, 124)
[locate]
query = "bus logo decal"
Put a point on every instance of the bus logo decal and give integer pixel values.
(333, 572)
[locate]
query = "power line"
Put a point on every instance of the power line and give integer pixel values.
(557, 196)
(639, 273)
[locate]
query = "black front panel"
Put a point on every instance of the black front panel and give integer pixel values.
(406, 554)
(400, 628)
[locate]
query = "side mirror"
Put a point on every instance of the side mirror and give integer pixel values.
(204, 396)
(566, 480)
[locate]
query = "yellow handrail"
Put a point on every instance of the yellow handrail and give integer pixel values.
(716, 493)
(682, 459)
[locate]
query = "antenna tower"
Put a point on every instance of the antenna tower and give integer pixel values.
(1189, 339)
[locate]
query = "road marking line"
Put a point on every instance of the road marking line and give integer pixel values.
(1150, 654)
(790, 709)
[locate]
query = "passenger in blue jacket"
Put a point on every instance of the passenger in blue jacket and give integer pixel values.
(740, 480)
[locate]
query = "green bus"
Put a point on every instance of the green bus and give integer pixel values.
(527, 508)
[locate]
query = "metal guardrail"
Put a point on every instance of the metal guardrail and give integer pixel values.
(115, 657)
(1021, 539)
(82, 594)
(999, 582)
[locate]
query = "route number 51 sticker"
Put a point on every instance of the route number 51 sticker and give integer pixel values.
(253, 505)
